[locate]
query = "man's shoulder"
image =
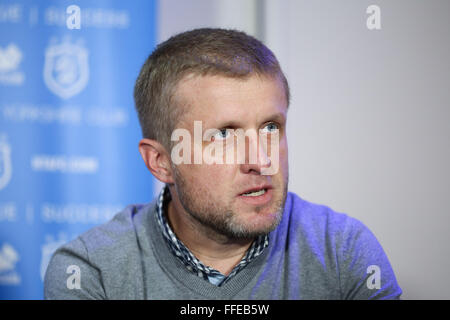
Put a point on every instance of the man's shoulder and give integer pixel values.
(120, 231)
(313, 215)
(105, 255)
(339, 242)
(319, 225)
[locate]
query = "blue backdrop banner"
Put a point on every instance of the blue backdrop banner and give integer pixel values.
(68, 130)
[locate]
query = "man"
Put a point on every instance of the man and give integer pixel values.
(212, 105)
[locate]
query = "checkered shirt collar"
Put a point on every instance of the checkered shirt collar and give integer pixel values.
(187, 257)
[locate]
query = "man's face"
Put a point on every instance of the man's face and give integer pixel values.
(234, 198)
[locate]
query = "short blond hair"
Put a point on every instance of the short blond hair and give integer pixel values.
(205, 51)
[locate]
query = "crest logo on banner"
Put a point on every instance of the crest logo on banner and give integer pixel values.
(8, 260)
(5, 162)
(66, 69)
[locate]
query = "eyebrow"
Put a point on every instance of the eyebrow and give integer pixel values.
(277, 117)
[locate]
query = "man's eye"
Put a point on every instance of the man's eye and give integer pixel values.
(270, 127)
(221, 134)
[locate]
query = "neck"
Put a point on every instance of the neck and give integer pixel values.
(212, 249)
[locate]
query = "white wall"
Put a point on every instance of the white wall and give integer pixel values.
(176, 16)
(369, 122)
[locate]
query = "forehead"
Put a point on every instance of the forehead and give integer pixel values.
(212, 99)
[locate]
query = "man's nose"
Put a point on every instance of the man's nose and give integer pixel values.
(256, 158)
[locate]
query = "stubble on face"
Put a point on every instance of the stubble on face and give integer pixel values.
(219, 219)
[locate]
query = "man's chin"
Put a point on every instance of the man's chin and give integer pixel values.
(252, 225)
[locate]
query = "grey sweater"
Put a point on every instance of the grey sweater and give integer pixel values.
(314, 253)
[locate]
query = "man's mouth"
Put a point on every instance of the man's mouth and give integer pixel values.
(258, 196)
(255, 193)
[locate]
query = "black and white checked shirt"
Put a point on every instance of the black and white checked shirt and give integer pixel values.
(187, 257)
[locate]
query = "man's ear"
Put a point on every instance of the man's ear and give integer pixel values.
(156, 159)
